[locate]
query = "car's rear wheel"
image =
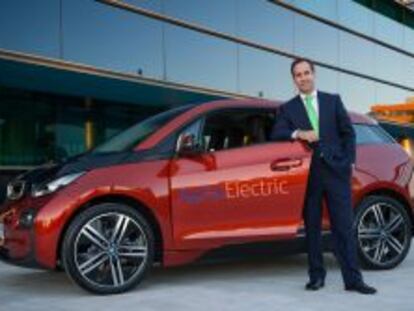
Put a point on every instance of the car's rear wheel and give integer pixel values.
(108, 248)
(384, 234)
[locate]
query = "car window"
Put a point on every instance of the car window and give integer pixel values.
(371, 134)
(234, 128)
(134, 135)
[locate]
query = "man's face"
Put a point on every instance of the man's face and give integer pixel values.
(304, 77)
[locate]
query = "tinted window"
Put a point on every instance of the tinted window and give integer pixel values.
(134, 135)
(235, 128)
(371, 134)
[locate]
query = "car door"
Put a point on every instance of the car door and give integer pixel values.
(241, 187)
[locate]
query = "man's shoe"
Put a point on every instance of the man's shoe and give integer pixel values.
(315, 284)
(361, 288)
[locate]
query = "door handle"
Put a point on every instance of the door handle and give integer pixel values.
(285, 164)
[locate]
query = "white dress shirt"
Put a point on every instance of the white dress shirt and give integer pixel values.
(314, 103)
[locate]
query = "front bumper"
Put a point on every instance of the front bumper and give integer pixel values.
(17, 247)
(27, 262)
(17, 242)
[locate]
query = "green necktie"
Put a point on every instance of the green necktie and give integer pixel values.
(313, 117)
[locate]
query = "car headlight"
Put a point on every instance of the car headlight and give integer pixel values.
(52, 186)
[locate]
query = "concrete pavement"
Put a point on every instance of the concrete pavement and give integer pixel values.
(267, 284)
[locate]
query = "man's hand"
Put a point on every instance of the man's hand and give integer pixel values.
(309, 136)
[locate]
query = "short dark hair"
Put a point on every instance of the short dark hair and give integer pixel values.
(301, 60)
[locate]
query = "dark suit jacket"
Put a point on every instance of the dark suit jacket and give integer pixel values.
(336, 133)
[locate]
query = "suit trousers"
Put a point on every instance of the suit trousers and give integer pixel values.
(323, 181)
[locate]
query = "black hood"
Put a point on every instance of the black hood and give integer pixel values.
(91, 160)
(24, 183)
(83, 163)
(76, 164)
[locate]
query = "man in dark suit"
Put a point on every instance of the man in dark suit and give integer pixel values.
(321, 120)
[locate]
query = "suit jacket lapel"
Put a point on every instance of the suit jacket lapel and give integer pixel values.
(301, 114)
(321, 116)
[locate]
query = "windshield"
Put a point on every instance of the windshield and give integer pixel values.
(134, 135)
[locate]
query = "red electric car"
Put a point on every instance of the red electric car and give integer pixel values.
(190, 180)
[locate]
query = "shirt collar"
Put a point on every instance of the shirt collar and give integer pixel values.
(313, 94)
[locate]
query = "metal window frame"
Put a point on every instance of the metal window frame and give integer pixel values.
(341, 27)
(232, 38)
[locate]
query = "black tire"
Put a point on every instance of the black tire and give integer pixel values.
(379, 248)
(102, 262)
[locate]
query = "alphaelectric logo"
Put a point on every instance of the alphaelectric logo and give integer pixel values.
(231, 190)
(261, 188)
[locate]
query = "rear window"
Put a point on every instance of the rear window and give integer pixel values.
(371, 134)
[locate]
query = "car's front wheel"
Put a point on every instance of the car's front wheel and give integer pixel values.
(108, 248)
(384, 234)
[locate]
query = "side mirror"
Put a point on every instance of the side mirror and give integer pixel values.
(187, 145)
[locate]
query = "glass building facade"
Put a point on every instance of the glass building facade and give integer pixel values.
(75, 72)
